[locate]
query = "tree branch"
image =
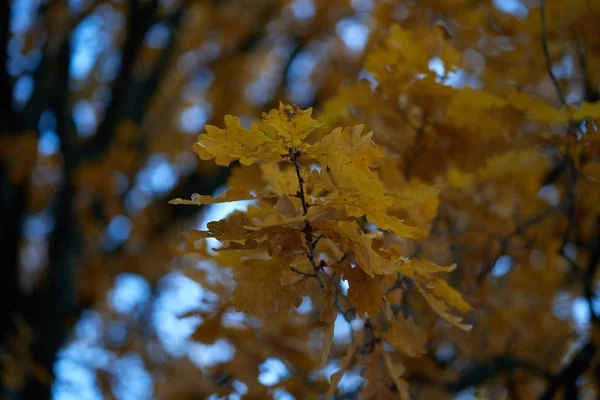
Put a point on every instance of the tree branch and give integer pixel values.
(47, 309)
(295, 154)
(140, 20)
(480, 373)
(567, 378)
(544, 37)
(590, 273)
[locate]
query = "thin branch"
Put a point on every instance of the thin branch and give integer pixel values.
(544, 36)
(480, 373)
(590, 273)
(296, 270)
(519, 229)
(317, 239)
(310, 244)
(415, 150)
(590, 94)
(571, 372)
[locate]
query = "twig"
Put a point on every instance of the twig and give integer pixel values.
(589, 273)
(544, 34)
(414, 152)
(480, 373)
(569, 374)
(296, 270)
(317, 240)
(310, 244)
(520, 229)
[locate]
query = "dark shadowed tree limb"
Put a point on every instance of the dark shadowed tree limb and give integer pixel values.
(544, 39)
(141, 18)
(590, 273)
(567, 377)
(48, 307)
(12, 197)
(9, 121)
(477, 374)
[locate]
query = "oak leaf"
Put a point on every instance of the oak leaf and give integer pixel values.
(235, 142)
(405, 336)
(259, 290)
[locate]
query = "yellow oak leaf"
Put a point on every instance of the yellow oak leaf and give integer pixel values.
(540, 111)
(377, 374)
(471, 108)
(400, 54)
(442, 290)
(440, 296)
(405, 336)
(259, 290)
(193, 235)
(537, 109)
(228, 196)
(276, 219)
(395, 371)
(587, 110)
(360, 245)
(297, 270)
(426, 267)
(419, 203)
(389, 223)
(348, 147)
(442, 307)
(460, 179)
(365, 292)
(236, 246)
(374, 208)
(346, 157)
(286, 243)
(337, 376)
(280, 179)
(364, 255)
(231, 228)
(235, 142)
(333, 111)
(247, 178)
(512, 163)
(240, 226)
(291, 124)
(328, 317)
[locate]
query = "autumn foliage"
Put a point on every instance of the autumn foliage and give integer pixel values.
(323, 216)
(371, 227)
(416, 193)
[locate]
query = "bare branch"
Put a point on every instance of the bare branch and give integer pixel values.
(569, 374)
(310, 244)
(544, 34)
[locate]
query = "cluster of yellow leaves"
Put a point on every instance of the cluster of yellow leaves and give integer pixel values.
(500, 144)
(401, 56)
(321, 215)
(282, 129)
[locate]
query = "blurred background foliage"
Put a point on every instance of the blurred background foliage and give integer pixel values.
(100, 102)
